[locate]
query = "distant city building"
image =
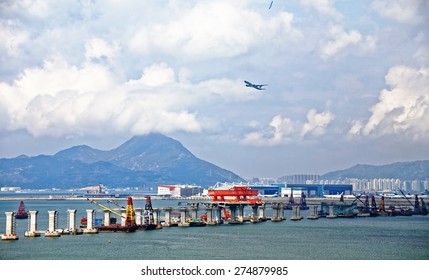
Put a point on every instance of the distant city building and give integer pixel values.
(267, 189)
(179, 190)
(10, 189)
(316, 190)
(301, 179)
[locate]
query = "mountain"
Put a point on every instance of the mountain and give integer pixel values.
(147, 160)
(415, 170)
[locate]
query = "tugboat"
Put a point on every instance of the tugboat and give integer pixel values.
(21, 214)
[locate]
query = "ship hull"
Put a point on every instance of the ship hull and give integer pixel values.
(116, 228)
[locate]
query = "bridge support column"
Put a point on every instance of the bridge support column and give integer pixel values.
(194, 213)
(241, 211)
(123, 214)
(183, 217)
(156, 214)
(218, 211)
(262, 212)
(296, 215)
(90, 218)
(167, 216)
(313, 213)
(10, 227)
(233, 209)
(331, 212)
(32, 225)
(106, 216)
(138, 216)
(210, 220)
(71, 221)
(281, 212)
(275, 217)
(53, 222)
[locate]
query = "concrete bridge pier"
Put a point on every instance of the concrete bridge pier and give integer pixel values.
(262, 212)
(276, 208)
(53, 222)
(210, 221)
(194, 213)
(331, 212)
(281, 212)
(106, 217)
(167, 216)
(218, 214)
(10, 227)
(233, 210)
(32, 225)
(183, 217)
(296, 215)
(123, 215)
(255, 211)
(90, 218)
(313, 213)
(241, 211)
(254, 218)
(156, 216)
(71, 221)
(138, 216)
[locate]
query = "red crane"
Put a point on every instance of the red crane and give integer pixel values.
(234, 194)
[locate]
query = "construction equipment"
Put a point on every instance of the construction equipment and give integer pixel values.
(145, 226)
(234, 194)
(129, 224)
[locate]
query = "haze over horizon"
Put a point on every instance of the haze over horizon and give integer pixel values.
(348, 81)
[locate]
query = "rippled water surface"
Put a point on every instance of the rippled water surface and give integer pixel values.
(339, 239)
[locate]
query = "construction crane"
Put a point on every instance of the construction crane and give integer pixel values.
(234, 194)
(123, 207)
(148, 225)
(129, 212)
(148, 213)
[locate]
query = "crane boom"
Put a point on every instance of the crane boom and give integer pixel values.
(406, 197)
(106, 208)
(123, 207)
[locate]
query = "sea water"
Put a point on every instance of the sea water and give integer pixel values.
(371, 238)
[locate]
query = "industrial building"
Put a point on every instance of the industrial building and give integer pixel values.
(268, 190)
(316, 190)
(179, 190)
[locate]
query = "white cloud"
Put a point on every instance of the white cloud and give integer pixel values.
(404, 11)
(212, 30)
(403, 109)
(11, 37)
(323, 7)
(316, 123)
(97, 48)
(284, 130)
(60, 99)
(339, 39)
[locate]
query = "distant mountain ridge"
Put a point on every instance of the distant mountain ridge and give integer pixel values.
(147, 160)
(414, 170)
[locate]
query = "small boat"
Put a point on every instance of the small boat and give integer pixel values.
(21, 214)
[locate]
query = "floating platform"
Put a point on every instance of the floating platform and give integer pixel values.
(32, 234)
(170, 225)
(90, 231)
(116, 228)
(9, 237)
(72, 231)
(52, 234)
(147, 227)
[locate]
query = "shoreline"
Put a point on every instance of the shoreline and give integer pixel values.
(311, 201)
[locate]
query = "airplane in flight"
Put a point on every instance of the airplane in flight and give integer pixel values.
(258, 87)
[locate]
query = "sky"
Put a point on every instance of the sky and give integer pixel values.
(348, 81)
